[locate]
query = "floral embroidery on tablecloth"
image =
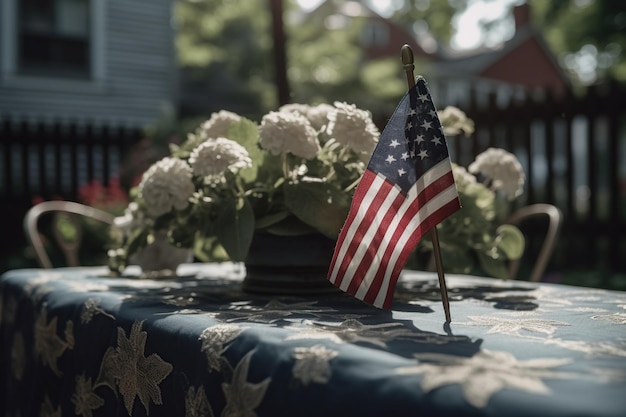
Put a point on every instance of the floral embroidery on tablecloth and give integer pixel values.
(180, 300)
(616, 318)
(313, 333)
(38, 287)
(486, 373)
(84, 398)
(354, 331)
(48, 409)
(90, 309)
(591, 348)
(243, 397)
(215, 340)
(48, 345)
(586, 310)
(514, 326)
(82, 285)
(134, 375)
(271, 312)
(551, 297)
(18, 357)
(313, 364)
(197, 403)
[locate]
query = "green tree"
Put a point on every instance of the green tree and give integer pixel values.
(434, 16)
(224, 49)
(589, 35)
(327, 63)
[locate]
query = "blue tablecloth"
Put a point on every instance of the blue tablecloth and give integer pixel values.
(75, 342)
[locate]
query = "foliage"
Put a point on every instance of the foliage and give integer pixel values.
(433, 16)
(590, 36)
(224, 48)
(475, 238)
(292, 174)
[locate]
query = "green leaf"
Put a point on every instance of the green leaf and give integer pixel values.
(496, 268)
(290, 226)
(510, 241)
(456, 259)
(246, 133)
(318, 205)
(137, 241)
(235, 227)
(270, 219)
(209, 250)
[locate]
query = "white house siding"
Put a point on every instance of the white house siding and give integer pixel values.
(131, 86)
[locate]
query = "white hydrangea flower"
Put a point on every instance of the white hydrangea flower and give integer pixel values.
(218, 125)
(214, 156)
(318, 115)
(289, 132)
(502, 169)
(454, 121)
(462, 178)
(353, 127)
(130, 220)
(161, 255)
(166, 185)
(302, 109)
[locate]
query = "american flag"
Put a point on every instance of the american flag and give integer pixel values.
(406, 190)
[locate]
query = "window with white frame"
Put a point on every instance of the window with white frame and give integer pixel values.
(43, 39)
(53, 37)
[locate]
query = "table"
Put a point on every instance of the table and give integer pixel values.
(76, 342)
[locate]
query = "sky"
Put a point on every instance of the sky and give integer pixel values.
(468, 34)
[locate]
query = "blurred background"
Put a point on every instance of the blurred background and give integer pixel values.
(91, 92)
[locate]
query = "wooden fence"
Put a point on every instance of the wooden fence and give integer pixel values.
(573, 150)
(52, 160)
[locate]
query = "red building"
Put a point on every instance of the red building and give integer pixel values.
(521, 65)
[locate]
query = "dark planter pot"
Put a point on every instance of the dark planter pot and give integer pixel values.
(289, 264)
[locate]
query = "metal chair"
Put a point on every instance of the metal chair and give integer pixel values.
(67, 213)
(554, 224)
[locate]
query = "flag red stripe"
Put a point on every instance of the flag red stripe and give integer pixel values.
(374, 246)
(439, 215)
(364, 217)
(402, 250)
(361, 189)
(371, 246)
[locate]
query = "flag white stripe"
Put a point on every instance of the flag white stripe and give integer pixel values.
(431, 176)
(423, 213)
(364, 208)
(373, 226)
(445, 197)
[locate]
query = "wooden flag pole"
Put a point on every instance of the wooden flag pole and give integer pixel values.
(408, 64)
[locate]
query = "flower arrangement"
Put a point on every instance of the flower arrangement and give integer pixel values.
(476, 239)
(293, 174)
(290, 174)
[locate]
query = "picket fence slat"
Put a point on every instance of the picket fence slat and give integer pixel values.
(569, 146)
(591, 192)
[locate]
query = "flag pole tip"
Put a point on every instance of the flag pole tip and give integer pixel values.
(407, 56)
